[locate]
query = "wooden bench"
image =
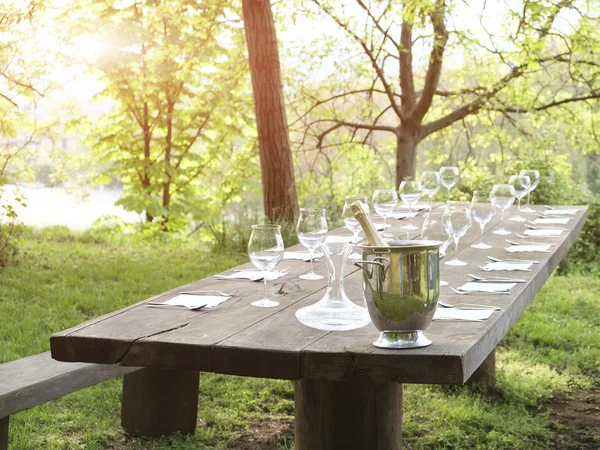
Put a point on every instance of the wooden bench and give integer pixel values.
(31, 381)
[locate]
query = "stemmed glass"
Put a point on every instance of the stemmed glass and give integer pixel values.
(482, 211)
(410, 193)
(351, 222)
(449, 177)
(457, 221)
(502, 197)
(384, 201)
(265, 249)
(521, 183)
(312, 231)
(433, 230)
(534, 177)
(431, 183)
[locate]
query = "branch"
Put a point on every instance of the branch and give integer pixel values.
(593, 95)
(8, 100)
(376, 21)
(435, 61)
(407, 84)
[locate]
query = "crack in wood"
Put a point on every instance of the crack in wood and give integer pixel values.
(124, 355)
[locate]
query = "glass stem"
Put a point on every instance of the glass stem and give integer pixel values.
(430, 202)
(384, 222)
(448, 193)
(482, 225)
(456, 243)
(409, 214)
(310, 252)
(528, 195)
(518, 205)
(265, 282)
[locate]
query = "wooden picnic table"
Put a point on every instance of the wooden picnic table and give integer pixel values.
(348, 393)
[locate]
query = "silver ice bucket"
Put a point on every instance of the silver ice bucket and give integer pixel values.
(401, 286)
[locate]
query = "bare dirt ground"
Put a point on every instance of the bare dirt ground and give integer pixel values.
(577, 420)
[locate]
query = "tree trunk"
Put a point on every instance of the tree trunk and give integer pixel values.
(279, 189)
(166, 201)
(146, 171)
(406, 155)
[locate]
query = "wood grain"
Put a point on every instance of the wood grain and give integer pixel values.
(238, 339)
(4, 433)
(34, 380)
(353, 415)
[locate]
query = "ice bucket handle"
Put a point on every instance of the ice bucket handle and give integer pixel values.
(367, 270)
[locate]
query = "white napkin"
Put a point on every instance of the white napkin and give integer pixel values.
(486, 287)
(341, 239)
(528, 248)
(507, 266)
(417, 207)
(302, 256)
(381, 226)
(402, 215)
(518, 219)
(252, 275)
(196, 301)
(546, 232)
(560, 212)
(552, 221)
(470, 315)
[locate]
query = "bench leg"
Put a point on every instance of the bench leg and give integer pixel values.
(159, 402)
(4, 433)
(485, 375)
(350, 415)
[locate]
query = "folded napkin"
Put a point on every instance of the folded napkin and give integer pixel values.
(507, 266)
(560, 212)
(518, 219)
(302, 256)
(470, 315)
(381, 226)
(252, 275)
(196, 301)
(403, 215)
(528, 248)
(417, 207)
(552, 221)
(472, 286)
(345, 239)
(546, 232)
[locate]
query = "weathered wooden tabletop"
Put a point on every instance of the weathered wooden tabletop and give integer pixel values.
(235, 338)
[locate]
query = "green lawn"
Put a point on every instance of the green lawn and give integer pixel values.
(62, 280)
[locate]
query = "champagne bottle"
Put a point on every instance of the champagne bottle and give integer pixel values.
(366, 224)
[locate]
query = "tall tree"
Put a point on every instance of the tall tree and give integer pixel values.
(172, 73)
(540, 56)
(279, 188)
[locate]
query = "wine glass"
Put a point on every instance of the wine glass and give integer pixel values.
(449, 177)
(502, 197)
(534, 177)
(410, 193)
(431, 183)
(265, 249)
(384, 201)
(312, 231)
(351, 222)
(482, 211)
(457, 221)
(433, 229)
(521, 183)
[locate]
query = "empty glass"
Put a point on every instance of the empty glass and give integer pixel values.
(457, 221)
(410, 193)
(433, 230)
(312, 231)
(482, 211)
(502, 197)
(534, 177)
(521, 183)
(384, 201)
(430, 183)
(351, 222)
(449, 177)
(265, 249)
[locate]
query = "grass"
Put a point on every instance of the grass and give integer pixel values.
(63, 280)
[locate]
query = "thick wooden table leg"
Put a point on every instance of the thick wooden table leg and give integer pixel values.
(485, 375)
(158, 402)
(4, 433)
(350, 415)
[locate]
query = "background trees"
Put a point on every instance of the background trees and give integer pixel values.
(417, 69)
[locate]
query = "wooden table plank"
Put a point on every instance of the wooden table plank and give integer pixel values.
(238, 339)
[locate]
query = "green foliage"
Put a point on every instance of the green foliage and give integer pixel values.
(10, 230)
